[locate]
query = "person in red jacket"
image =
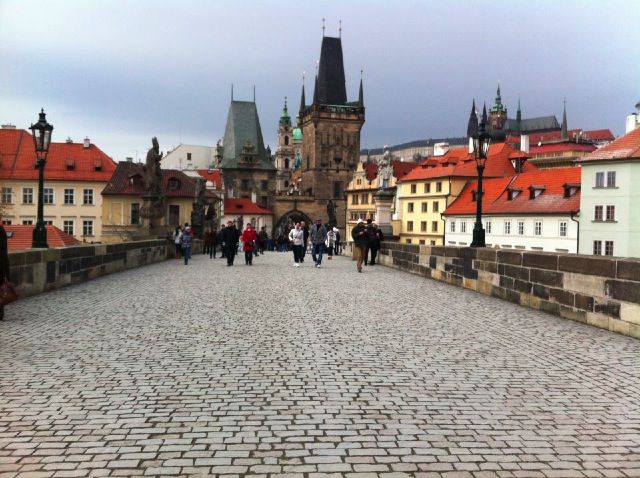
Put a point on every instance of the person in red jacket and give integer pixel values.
(249, 238)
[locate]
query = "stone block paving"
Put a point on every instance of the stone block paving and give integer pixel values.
(276, 371)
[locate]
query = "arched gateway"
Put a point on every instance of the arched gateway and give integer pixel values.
(287, 220)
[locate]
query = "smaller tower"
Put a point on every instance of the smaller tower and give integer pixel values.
(498, 116)
(564, 131)
(519, 119)
(472, 125)
(285, 151)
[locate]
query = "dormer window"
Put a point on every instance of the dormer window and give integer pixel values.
(535, 191)
(173, 184)
(97, 165)
(570, 189)
(136, 180)
(513, 193)
(71, 164)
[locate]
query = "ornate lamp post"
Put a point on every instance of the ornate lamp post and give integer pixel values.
(41, 132)
(480, 149)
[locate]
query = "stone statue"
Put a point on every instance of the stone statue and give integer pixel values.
(197, 214)
(385, 170)
(154, 172)
(331, 212)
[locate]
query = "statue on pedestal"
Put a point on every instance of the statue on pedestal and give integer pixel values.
(197, 213)
(153, 207)
(331, 213)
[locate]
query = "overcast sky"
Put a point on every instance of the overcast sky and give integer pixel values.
(122, 71)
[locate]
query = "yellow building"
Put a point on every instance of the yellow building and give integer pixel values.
(75, 175)
(122, 201)
(426, 192)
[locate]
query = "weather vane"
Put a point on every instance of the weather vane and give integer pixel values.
(323, 27)
(340, 29)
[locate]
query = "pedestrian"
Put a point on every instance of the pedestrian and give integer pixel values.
(305, 231)
(318, 236)
(263, 239)
(371, 243)
(338, 244)
(186, 241)
(177, 235)
(296, 237)
(214, 241)
(4, 263)
(207, 242)
(378, 238)
(249, 238)
(230, 239)
(331, 241)
(359, 236)
(221, 242)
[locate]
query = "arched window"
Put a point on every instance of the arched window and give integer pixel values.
(286, 163)
(286, 140)
(286, 184)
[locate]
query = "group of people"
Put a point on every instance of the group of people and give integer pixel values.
(366, 241)
(319, 236)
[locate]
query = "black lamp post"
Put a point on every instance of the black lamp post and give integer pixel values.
(41, 132)
(480, 149)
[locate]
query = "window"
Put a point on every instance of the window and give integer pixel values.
(337, 189)
(600, 180)
(188, 156)
(6, 222)
(611, 213)
(439, 187)
(563, 228)
(597, 248)
(414, 188)
(410, 207)
(487, 227)
(611, 183)
(521, 228)
(424, 207)
(286, 163)
(434, 226)
(264, 185)
(245, 184)
(6, 195)
(408, 241)
(453, 226)
(597, 214)
(433, 243)
(87, 196)
(436, 206)
(47, 195)
(27, 195)
(537, 228)
(513, 193)
(364, 199)
(48, 222)
(409, 226)
(135, 213)
(608, 248)
(463, 226)
(67, 226)
(354, 199)
(68, 196)
(358, 181)
(87, 227)
(27, 222)
(286, 140)
(421, 242)
(507, 228)
(173, 184)
(427, 187)
(423, 226)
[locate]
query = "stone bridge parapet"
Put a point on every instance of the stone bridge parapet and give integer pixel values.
(601, 291)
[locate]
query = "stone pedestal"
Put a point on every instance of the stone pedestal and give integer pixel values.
(384, 201)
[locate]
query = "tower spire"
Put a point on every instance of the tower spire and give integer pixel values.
(254, 93)
(340, 29)
(361, 92)
(484, 113)
(323, 28)
(472, 126)
(518, 117)
(564, 134)
(302, 98)
(231, 91)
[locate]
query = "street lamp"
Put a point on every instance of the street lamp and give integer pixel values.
(41, 132)
(480, 150)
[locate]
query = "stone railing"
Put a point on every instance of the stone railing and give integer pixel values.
(601, 291)
(37, 270)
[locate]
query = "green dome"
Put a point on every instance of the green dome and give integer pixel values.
(297, 134)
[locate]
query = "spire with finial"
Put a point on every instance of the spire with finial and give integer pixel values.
(484, 113)
(498, 107)
(315, 91)
(231, 91)
(323, 28)
(340, 29)
(361, 92)
(472, 126)
(518, 117)
(564, 134)
(302, 98)
(285, 119)
(254, 93)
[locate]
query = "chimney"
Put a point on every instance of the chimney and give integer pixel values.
(129, 159)
(470, 145)
(87, 143)
(254, 197)
(440, 149)
(633, 121)
(8, 126)
(524, 143)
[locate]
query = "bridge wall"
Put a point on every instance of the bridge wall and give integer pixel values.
(601, 291)
(35, 271)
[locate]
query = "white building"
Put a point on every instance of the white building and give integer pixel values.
(535, 211)
(610, 203)
(188, 157)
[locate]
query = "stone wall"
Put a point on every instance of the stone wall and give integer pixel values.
(39, 270)
(601, 291)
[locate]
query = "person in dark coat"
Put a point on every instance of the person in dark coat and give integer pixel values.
(359, 236)
(215, 240)
(230, 239)
(305, 230)
(221, 242)
(4, 262)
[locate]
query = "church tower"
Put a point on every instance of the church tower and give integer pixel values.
(331, 132)
(285, 152)
(498, 114)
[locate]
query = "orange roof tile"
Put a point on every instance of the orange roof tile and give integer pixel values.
(594, 135)
(243, 206)
(23, 236)
(625, 147)
(65, 161)
(561, 147)
(212, 175)
(496, 200)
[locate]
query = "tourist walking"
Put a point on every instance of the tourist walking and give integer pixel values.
(296, 238)
(305, 231)
(338, 250)
(318, 235)
(372, 249)
(249, 238)
(230, 239)
(177, 235)
(186, 241)
(221, 242)
(359, 236)
(4, 263)
(331, 241)
(263, 239)
(214, 242)
(207, 242)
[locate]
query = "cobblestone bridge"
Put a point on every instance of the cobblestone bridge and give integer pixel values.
(272, 370)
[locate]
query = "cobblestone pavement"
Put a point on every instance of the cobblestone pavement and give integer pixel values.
(272, 370)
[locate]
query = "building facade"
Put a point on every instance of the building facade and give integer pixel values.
(75, 174)
(288, 153)
(189, 157)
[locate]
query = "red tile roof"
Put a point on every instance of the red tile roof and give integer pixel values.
(561, 147)
(625, 147)
(17, 159)
(124, 182)
(243, 206)
(23, 237)
(461, 163)
(400, 169)
(496, 194)
(371, 170)
(212, 175)
(594, 135)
